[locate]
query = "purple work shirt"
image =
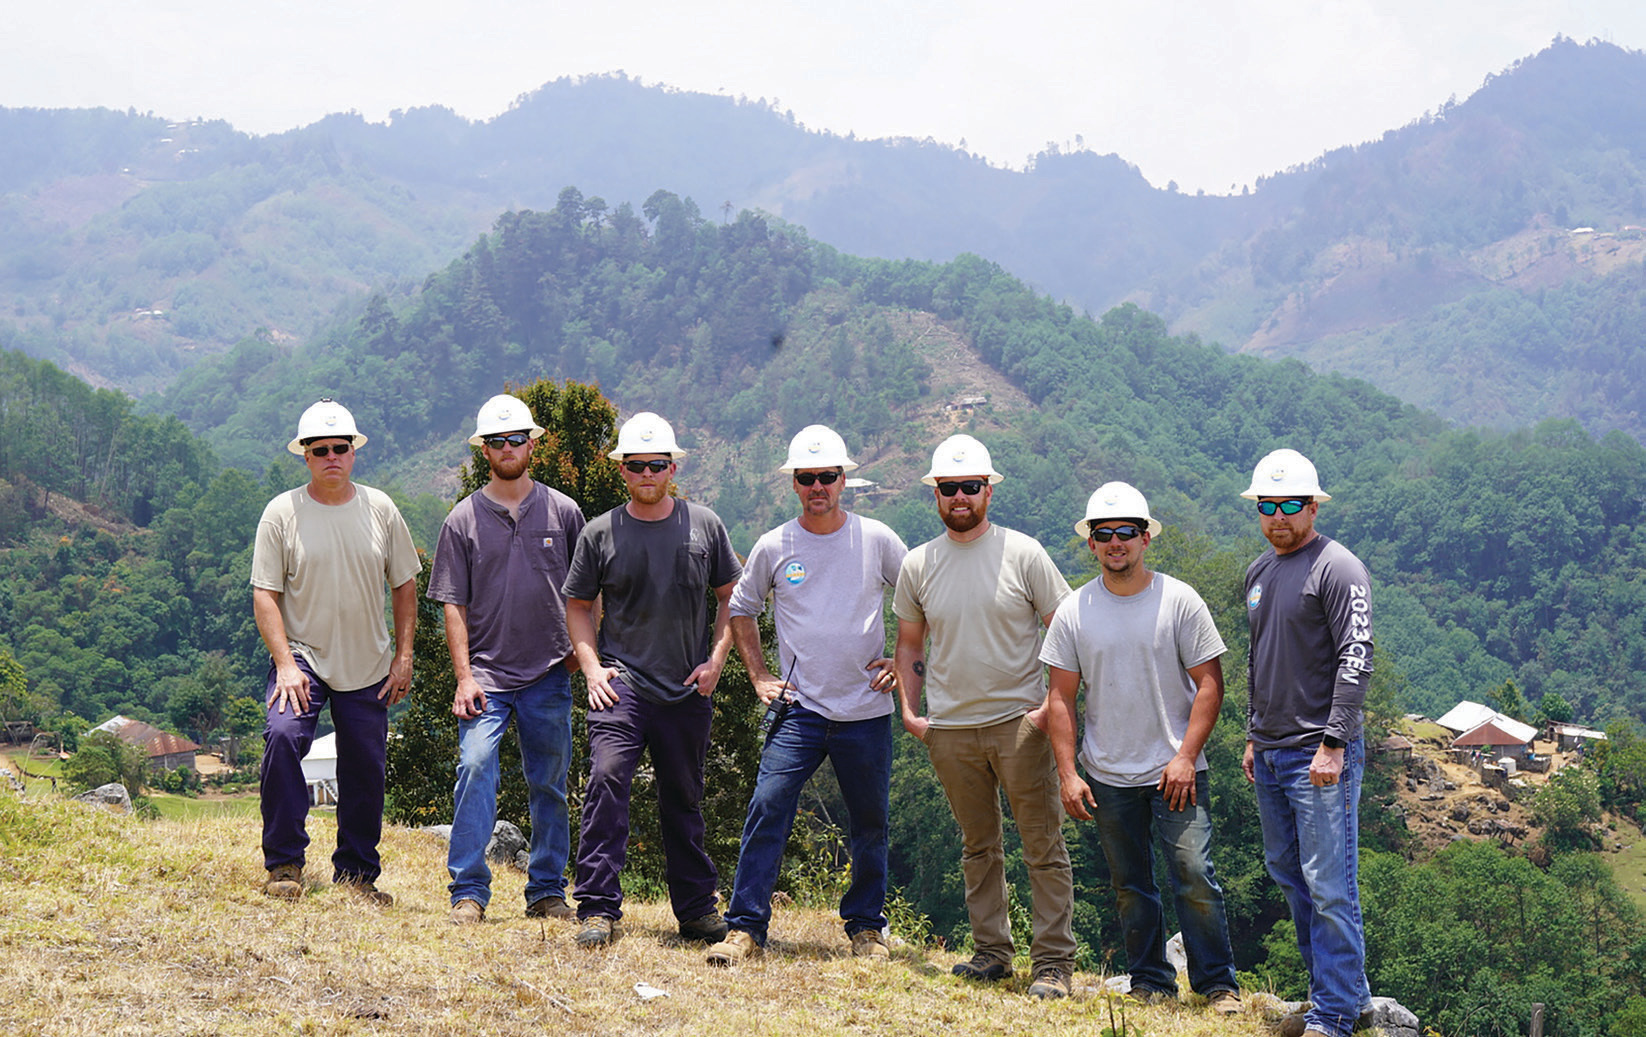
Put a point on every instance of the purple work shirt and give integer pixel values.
(508, 573)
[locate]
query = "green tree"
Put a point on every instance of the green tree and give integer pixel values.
(1507, 699)
(1567, 806)
(1620, 761)
(103, 759)
(16, 703)
(243, 719)
(199, 701)
(68, 728)
(1553, 709)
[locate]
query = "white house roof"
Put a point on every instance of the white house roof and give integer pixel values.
(1579, 731)
(1466, 715)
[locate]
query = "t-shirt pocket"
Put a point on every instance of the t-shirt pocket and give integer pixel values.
(691, 567)
(546, 552)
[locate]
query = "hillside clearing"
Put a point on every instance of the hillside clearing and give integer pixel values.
(117, 926)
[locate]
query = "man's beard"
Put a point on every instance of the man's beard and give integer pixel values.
(649, 495)
(509, 468)
(967, 522)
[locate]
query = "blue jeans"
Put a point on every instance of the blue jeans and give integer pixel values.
(542, 715)
(861, 753)
(1311, 843)
(1130, 821)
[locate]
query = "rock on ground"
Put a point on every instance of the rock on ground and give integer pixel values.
(112, 796)
(507, 845)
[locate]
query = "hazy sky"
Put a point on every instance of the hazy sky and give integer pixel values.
(1208, 94)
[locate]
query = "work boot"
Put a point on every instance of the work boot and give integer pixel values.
(550, 907)
(468, 912)
(1224, 1002)
(598, 931)
(709, 928)
(285, 882)
(737, 946)
(366, 891)
(868, 943)
(1050, 983)
(983, 968)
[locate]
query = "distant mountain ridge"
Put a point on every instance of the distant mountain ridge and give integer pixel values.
(1437, 262)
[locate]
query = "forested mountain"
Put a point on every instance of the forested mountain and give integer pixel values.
(1440, 262)
(1501, 555)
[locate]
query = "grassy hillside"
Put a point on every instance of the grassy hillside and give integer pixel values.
(116, 926)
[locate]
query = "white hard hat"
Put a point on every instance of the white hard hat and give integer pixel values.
(327, 419)
(960, 456)
(1285, 473)
(500, 414)
(646, 433)
(1116, 500)
(817, 446)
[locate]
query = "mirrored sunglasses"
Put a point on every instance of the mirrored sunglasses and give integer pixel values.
(1285, 507)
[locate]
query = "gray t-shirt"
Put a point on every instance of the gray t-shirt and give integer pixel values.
(653, 580)
(1134, 653)
(1311, 653)
(507, 573)
(828, 593)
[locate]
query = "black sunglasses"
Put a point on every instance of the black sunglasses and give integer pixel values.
(655, 467)
(1103, 536)
(333, 448)
(969, 487)
(512, 439)
(813, 478)
(1285, 507)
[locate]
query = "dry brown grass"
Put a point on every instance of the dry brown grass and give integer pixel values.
(114, 926)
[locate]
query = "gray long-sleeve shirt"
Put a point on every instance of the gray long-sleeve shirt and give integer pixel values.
(1311, 653)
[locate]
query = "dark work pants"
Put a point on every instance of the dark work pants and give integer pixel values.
(362, 722)
(677, 735)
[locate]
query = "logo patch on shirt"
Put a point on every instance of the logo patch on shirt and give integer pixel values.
(1255, 596)
(794, 573)
(548, 541)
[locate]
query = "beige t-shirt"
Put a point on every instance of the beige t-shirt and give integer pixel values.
(982, 602)
(329, 563)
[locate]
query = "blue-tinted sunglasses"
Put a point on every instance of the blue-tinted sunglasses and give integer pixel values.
(1286, 507)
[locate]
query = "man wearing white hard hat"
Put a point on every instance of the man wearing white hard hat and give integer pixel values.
(324, 554)
(501, 558)
(1308, 600)
(827, 573)
(980, 594)
(1150, 656)
(651, 563)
